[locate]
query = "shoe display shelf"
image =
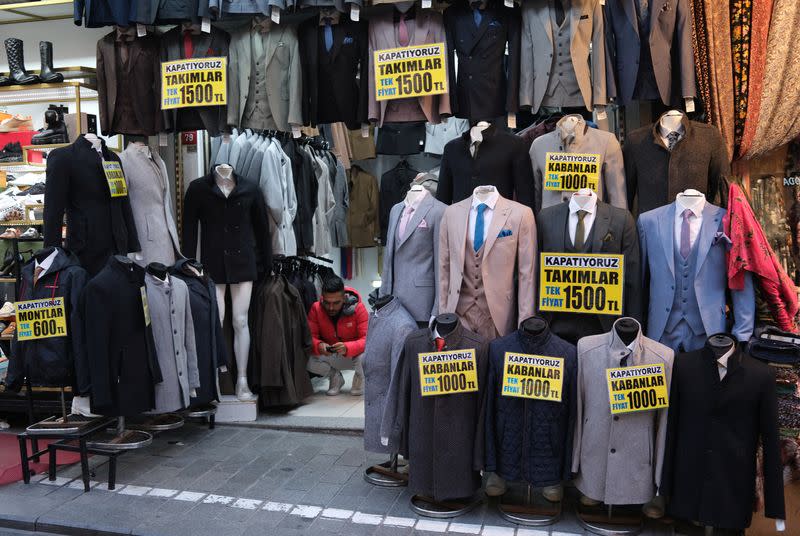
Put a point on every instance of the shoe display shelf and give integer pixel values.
(39, 11)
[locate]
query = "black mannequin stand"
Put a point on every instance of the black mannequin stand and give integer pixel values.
(720, 344)
(608, 520)
(445, 323)
(520, 504)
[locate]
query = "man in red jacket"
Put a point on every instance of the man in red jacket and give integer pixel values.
(338, 324)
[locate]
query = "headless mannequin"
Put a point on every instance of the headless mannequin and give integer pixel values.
(415, 193)
(195, 267)
(567, 128)
(158, 270)
(482, 193)
(534, 325)
(444, 324)
(627, 330)
(476, 132)
(383, 301)
(583, 198)
(97, 144)
(691, 199)
(670, 122)
(240, 302)
(403, 7)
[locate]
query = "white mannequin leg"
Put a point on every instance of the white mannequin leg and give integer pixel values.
(240, 305)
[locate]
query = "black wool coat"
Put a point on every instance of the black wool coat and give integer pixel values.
(235, 234)
(98, 225)
(443, 435)
(210, 342)
(714, 428)
(530, 440)
(119, 368)
(502, 161)
(305, 187)
(50, 362)
(487, 85)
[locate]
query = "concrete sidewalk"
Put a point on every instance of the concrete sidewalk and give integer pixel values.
(241, 481)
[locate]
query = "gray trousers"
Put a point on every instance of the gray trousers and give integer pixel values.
(325, 365)
(683, 339)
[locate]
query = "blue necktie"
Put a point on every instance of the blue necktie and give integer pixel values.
(328, 35)
(478, 240)
(477, 16)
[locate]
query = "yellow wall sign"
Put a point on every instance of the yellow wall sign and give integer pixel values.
(533, 376)
(410, 71)
(115, 178)
(41, 319)
(449, 372)
(584, 283)
(639, 388)
(570, 172)
(198, 82)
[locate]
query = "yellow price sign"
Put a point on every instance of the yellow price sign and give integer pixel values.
(41, 319)
(638, 388)
(115, 179)
(533, 376)
(581, 283)
(197, 82)
(413, 71)
(570, 172)
(448, 372)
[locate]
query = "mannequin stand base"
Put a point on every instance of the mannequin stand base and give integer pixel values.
(383, 476)
(534, 512)
(610, 520)
(127, 440)
(231, 409)
(57, 425)
(428, 507)
(208, 413)
(156, 423)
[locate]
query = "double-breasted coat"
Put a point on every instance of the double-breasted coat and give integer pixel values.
(234, 231)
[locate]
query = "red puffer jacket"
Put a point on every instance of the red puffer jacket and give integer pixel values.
(351, 329)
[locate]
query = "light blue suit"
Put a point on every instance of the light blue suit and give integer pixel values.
(710, 281)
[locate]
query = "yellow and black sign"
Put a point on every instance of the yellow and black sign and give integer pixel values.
(639, 388)
(410, 71)
(41, 319)
(533, 376)
(198, 82)
(449, 372)
(569, 172)
(115, 178)
(582, 283)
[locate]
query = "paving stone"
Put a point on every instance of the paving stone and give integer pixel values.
(333, 526)
(321, 494)
(338, 474)
(385, 530)
(353, 457)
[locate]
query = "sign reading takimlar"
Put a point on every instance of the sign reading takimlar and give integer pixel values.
(194, 82)
(448, 372)
(581, 283)
(413, 71)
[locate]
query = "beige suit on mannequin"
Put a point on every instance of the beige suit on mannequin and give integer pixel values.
(511, 235)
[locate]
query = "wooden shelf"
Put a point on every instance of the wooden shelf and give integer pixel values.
(43, 10)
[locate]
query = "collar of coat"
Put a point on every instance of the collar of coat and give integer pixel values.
(687, 130)
(451, 339)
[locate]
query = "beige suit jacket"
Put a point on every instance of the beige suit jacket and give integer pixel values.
(536, 58)
(504, 257)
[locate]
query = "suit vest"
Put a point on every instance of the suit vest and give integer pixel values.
(473, 309)
(562, 88)
(684, 303)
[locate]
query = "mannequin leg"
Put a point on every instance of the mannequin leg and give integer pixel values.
(240, 305)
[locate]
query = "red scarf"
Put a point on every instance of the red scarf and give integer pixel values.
(751, 252)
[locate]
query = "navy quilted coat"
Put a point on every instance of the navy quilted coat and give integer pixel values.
(530, 440)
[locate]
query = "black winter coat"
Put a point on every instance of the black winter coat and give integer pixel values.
(119, 368)
(234, 229)
(50, 362)
(443, 434)
(714, 429)
(98, 225)
(305, 187)
(210, 342)
(530, 440)
(487, 86)
(502, 161)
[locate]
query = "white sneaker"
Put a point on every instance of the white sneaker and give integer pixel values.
(358, 385)
(8, 310)
(336, 384)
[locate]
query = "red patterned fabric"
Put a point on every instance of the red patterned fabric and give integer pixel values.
(751, 252)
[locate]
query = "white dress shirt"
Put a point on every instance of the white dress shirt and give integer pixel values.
(663, 133)
(588, 220)
(47, 263)
(695, 221)
(491, 201)
(722, 362)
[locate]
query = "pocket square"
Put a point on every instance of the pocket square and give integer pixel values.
(608, 238)
(422, 225)
(721, 237)
(348, 41)
(504, 233)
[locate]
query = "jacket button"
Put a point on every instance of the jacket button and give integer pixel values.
(616, 418)
(175, 331)
(613, 451)
(180, 373)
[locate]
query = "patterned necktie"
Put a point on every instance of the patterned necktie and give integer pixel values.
(478, 240)
(402, 31)
(580, 232)
(188, 46)
(439, 344)
(477, 16)
(473, 148)
(328, 34)
(685, 245)
(672, 139)
(36, 273)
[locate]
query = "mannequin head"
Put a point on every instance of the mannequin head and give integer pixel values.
(333, 296)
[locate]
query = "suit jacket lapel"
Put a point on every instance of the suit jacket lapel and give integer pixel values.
(416, 218)
(478, 33)
(707, 231)
(461, 218)
(419, 30)
(602, 221)
(666, 226)
(560, 218)
(544, 20)
(501, 212)
(339, 33)
(630, 12)
(574, 19)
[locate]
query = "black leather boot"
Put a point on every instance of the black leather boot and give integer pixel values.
(56, 131)
(16, 63)
(47, 75)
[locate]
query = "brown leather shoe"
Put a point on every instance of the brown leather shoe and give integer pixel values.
(9, 331)
(16, 123)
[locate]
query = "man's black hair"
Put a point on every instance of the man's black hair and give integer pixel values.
(333, 284)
